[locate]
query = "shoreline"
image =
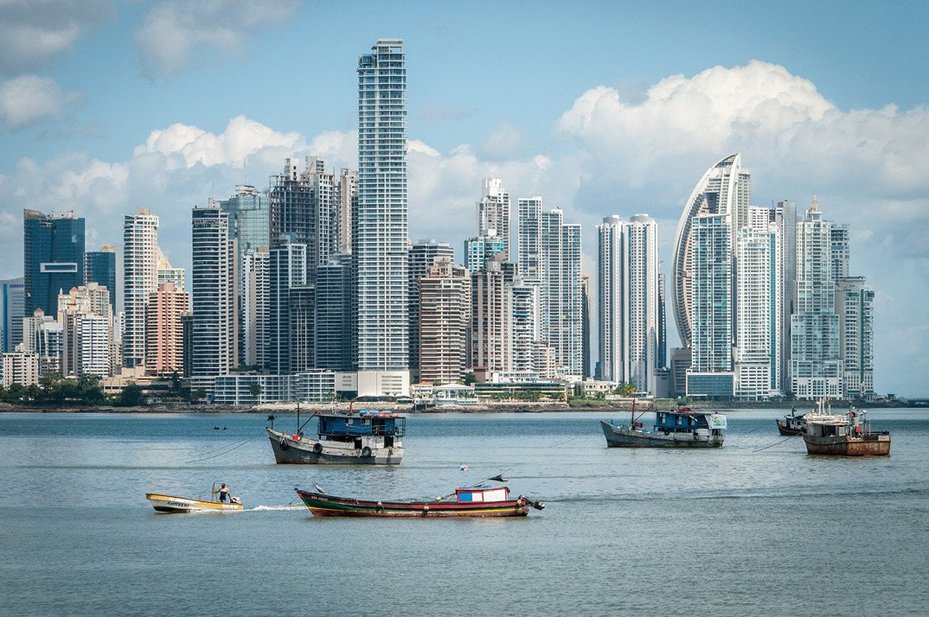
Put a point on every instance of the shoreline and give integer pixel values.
(481, 408)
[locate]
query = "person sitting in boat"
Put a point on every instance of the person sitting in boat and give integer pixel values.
(224, 494)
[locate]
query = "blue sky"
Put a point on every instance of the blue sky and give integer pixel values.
(600, 107)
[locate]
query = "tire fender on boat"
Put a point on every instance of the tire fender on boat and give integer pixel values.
(365, 452)
(284, 445)
(318, 448)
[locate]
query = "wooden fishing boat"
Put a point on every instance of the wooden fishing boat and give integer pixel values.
(362, 438)
(792, 424)
(683, 428)
(174, 504)
(480, 501)
(847, 434)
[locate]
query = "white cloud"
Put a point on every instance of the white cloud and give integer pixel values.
(33, 31)
(28, 99)
(175, 29)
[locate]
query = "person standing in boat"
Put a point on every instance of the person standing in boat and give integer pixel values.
(224, 494)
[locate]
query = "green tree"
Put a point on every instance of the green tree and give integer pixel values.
(131, 396)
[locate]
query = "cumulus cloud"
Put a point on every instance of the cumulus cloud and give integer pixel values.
(28, 99)
(174, 30)
(33, 31)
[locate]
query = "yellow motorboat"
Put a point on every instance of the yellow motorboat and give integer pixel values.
(174, 504)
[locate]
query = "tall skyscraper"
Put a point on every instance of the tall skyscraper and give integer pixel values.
(562, 309)
(758, 311)
(490, 339)
(725, 189)
(12, 297)
(628, 280)
(815, 363)
(100, 268)
(711, 307)
(529, 240)
(662, 323)
(287, 270)
(493, 213)
(53, 258)
(164, 330)
(379, 240)
(334, 314)
(445, 303)
(248, 212)
(422, 256)
(854, 302)
(524, 333)
(140, 278)
(213, 277)
(255, 307)
(481, 249)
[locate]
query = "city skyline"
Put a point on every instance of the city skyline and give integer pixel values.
(782, 109)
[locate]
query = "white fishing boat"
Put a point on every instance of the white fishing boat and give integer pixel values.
(175, 504)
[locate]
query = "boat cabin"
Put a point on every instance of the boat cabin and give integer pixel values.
(342, 427)
(478, 494)
(689, 422)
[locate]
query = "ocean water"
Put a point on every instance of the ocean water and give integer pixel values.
(756, 527)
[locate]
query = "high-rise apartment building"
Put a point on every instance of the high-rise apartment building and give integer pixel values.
(53, 258)
(334, 314)
(379, 239)
(44, 335)
(815, 363)
(248, 212)
(493, 213)
(287, 271)
(86, 319)
(523, 331)
(711, 307)
(562, 309)
(164, 330)
(481, 249)
(529, 239)
(444, 308)
(168, 273)
(422, 256)
(12, 297)
(255, 307)
(213, 277)
(628, 281)
(854, 304)
(140, 278)
(725, 189)
(490, 312)
(758, 312)
(100, 268)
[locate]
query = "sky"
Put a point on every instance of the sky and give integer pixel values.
(600, 107)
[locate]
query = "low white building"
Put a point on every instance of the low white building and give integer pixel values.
(20, 368)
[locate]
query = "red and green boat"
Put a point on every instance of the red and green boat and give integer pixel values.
(480, 501)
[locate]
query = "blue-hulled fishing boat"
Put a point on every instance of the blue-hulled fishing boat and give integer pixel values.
(683, 428)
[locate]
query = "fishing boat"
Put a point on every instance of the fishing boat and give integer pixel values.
(683, 428)
(847, 434)
(481, 501)
(792, 424)
(174, 504)
(362, 438)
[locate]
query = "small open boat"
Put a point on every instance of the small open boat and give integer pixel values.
(480, 501)
(174, 504)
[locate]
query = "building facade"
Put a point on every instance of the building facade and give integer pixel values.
(140, 279)
(444, 308)
(493, 214)
(379, 237)
(100, 268)
(164, 330)
(53, 258)
(12, 299)
(422, 256)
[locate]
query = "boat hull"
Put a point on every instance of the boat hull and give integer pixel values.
(321, 504)
(786, 429)
(305, 451)
(178, 505)
(875, 444)
(620, 437)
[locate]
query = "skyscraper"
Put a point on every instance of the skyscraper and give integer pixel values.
(493, 213)
(334, 332)
(53, 258)
(422, 256)
(758, 311)
(11, 314)
(140, 278)
(215, 318)
(254, 307)
(815, 362)
(711, 307)
(490, 340)
(100, 268)
(445, 302)
(164, 331)
(628, 281)
(379, 240)
(725, 189)
(854, 302)
(562, 309)
(287, 270)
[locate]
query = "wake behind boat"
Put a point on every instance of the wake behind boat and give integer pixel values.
(362, 438)
(174, 504)
(479, 501)
(683, 428)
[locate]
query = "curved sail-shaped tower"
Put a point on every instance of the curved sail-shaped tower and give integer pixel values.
(724, 189)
